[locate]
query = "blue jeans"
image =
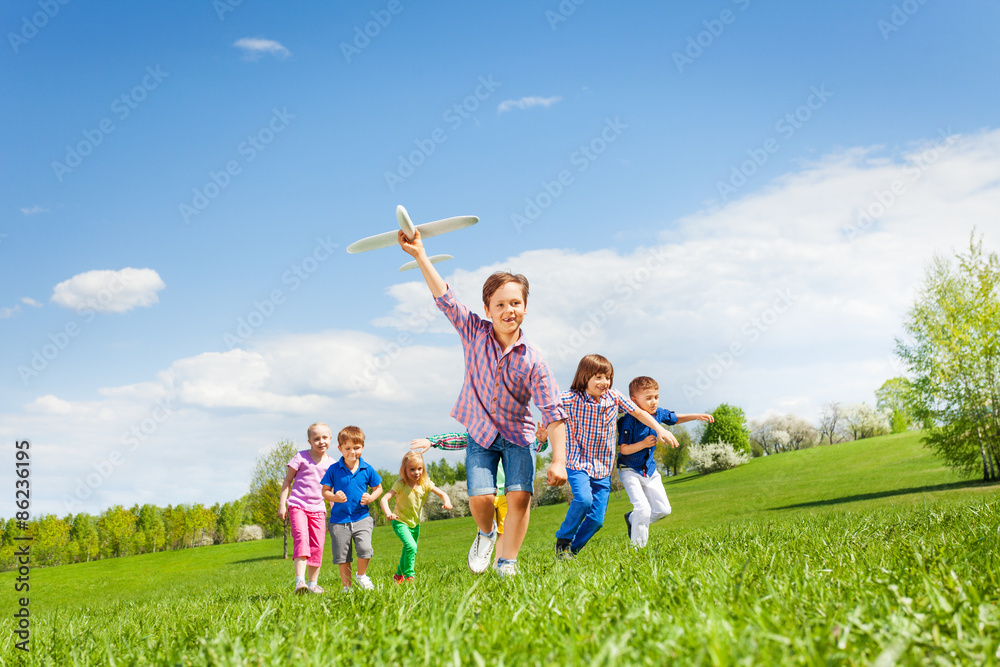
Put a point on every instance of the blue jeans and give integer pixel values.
(481, 467)
(585, 515)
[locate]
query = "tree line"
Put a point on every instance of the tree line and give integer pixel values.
(120, 531)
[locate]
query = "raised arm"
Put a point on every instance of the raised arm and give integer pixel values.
(415, 249)
(699, 416)
(446, 441)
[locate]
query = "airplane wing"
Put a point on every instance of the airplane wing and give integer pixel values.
(429, 229)
(383, 240)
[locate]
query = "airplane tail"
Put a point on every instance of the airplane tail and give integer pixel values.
(434, 260)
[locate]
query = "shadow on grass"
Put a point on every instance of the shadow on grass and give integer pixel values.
(673, 479)
(256, 560)
(888, 494)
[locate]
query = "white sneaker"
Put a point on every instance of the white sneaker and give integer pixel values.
(364, 582)
(481, 553)
(508, 569)
(347, 589)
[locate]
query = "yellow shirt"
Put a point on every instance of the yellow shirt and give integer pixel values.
(410, 500)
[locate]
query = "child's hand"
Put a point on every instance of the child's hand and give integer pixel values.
(420, 445)
(446, 504)
(649, 441)
(415, 248)
(556, 475)
(667, 438)
(705, 418)
(392, 517)
(365, 498)
(340, 497)
(282, 511)
(541, 433)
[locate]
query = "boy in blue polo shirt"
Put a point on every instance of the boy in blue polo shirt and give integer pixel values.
(350, 485)
(636, 463)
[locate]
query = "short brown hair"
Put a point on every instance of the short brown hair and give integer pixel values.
(350, 434)
(591, 365)
(641, 383)
(498, 280)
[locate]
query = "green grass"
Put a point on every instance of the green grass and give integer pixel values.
(852, 554)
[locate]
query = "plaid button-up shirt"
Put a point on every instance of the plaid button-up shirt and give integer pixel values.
(592, 430)
(498, 385)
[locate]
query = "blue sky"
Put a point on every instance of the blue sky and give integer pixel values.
(898, 92)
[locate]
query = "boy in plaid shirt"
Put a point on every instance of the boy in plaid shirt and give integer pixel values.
(503, 372)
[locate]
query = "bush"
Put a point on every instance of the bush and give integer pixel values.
(705, 458)
(543, 493)
(248, 533)
(459, 496)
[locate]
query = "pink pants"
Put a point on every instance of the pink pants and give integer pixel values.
(308, 534)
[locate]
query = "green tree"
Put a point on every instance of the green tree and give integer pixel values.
(51, 536)
(896, 396)
(84, 534)
(174, 526)
(201, 524)
(150, 522)
(730, 426)
(953, 355)
(389, 478)
(265, 487)
(674, 458)
(230, 518)
(115, 528)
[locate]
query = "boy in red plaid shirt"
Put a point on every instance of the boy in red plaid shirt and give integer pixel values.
(503, 372)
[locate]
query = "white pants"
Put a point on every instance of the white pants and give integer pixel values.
(649, 502)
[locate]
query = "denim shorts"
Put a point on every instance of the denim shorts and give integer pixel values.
(481, 467)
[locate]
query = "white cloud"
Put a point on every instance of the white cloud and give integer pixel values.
(109, 291)
(33, 210)
(254, 47)
(8, 312)
(527, 103)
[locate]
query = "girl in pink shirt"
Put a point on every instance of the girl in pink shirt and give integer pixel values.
(301, 500)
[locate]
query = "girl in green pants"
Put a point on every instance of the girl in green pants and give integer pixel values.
(411, 489)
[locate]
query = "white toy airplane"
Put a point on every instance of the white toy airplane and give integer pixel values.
(427, 229)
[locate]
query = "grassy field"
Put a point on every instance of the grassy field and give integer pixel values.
(859, 553)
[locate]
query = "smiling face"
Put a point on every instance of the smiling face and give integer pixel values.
(351, 451)
(598, 385)
(414, 472)
(319, 440)
(506, 309)
(647, 399)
